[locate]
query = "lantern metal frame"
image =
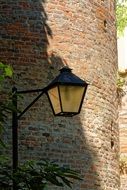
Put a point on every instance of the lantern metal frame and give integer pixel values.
(63, 113)
(66, 77)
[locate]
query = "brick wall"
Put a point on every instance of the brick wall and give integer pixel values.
(123, 180)
(123, 137)
(123, 122)
(38, 38)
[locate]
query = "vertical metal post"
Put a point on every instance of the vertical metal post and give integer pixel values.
(14, 133)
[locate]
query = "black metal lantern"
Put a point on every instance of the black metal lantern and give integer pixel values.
(66, 93)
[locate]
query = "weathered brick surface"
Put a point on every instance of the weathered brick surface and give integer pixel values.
(123, 134)
(123, 123)
(40, 37)
(123, 180)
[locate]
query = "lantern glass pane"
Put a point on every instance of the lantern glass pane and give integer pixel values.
(71, 97)
(54, 98)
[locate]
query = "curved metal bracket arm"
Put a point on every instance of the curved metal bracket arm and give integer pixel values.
(29, 91)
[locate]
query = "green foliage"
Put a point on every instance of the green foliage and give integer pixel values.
(5, 174)
(121, 81)
(36, 176)
(5, 105)
(121, 15)
(5, 108)
(5, 71)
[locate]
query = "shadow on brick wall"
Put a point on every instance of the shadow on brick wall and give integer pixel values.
(25, 45)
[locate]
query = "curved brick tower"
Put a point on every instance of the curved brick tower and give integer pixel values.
(38, 38)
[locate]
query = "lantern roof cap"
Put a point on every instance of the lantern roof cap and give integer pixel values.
(65, 69)
(66, 77)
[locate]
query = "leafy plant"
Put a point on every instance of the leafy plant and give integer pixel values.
(5, 105)
(36, 176)
(121, 81)
(121, 15)
(5, 71)
(5, 174)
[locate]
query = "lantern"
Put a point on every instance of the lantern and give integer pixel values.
(66, 93)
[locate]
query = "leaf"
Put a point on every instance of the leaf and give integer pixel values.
(121, 15)
(1, 65)
(2, 77)
(8, 71)
(67, 182)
